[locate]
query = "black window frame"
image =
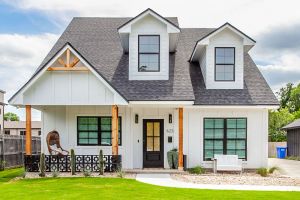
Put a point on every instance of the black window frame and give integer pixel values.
(100, 131)
(7, 132)
(149, 53)
(225, 139)
(22, 132)
(233, 80)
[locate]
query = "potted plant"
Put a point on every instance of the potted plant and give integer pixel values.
(172, 156)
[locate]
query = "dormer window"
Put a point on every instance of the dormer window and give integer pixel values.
(224, 64)
(149, 53)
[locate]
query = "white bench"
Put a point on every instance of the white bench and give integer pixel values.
(227, 163)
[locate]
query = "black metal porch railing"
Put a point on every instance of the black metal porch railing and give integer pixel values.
(63, 163)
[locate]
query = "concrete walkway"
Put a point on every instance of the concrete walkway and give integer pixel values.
(167, 181)
(290, 168)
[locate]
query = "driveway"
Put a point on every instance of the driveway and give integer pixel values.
(287, 167)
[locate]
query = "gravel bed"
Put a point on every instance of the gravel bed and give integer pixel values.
(238, 179)
(68, 175)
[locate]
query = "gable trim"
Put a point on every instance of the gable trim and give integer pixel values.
(214, 31)
(53, 59)
(149, 10)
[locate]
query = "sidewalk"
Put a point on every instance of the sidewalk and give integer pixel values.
(166, 181)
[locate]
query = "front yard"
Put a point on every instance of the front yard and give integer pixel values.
(112, 188)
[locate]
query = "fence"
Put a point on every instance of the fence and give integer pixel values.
(12, 149)
(272, 148)
(82, 163)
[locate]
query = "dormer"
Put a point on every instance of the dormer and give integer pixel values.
(149, 38)
(221, 57)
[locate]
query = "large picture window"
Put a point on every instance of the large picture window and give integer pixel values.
(224, 63)
(225, 136)
(96, 131)
(149, 53)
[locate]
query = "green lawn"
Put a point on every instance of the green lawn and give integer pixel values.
(113, 188)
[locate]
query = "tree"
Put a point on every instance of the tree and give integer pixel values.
(278, 119)
(295, 99)
(11, 117)
(285, 95)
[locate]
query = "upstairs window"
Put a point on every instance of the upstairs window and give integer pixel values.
(224, 64)
(149, 53)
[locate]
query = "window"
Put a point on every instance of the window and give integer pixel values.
(224, 63)
(22, 132)
(95, 131)
(225, 136)
(149, 53)
(40, 133)
(7, 132)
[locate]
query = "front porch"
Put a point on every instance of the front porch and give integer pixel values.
(124, 140)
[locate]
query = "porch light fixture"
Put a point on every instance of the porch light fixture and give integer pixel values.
(136, 118)
(170, 118)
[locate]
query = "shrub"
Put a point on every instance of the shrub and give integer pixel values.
(55, 173)
(101, 163)
(120, 173)
(262, 171)
(86, 173)
(2, 165)
(42, 165)
(73, 162)
(272, 169)
(196, 170)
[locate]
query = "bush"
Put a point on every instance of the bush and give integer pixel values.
(196, 170)
(42, 165)
(272, 170)
(2, 165)
(101, 163)
(73, 162)
(120, 173)
(55, 173)
(262, 171)
(86, 173)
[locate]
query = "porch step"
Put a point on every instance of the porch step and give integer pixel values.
(154, 171)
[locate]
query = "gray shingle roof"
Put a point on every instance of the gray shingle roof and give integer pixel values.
(97, 40)
(295, 124)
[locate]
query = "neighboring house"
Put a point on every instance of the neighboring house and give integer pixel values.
(142, 86)
(2, 104)
(19, 128)
(293, 138)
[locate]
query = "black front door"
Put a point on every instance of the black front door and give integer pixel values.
(153, 146)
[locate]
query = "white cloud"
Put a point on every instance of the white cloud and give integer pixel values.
(20, 56)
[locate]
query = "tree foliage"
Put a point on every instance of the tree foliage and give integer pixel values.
(11, 117)
(289, 97)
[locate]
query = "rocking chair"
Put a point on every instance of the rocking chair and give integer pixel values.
(53, 143)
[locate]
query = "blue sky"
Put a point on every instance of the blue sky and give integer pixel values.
(29, 28)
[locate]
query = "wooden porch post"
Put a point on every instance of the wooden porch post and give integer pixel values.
(115, 130)
(28, 130)
(180, 145)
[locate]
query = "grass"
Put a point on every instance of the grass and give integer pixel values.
(115, 188)
(9, 174)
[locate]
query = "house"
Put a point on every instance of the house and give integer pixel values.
(19, 128)
(139, 87)
(293, 138)
(2, 104)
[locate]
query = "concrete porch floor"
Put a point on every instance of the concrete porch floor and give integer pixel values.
(154, 171)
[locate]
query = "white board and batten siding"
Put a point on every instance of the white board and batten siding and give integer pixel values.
(70, 88)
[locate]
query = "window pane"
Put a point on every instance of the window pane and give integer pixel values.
(156, 129)
(106, 127)
(106, 120)
(83, 134)
(219, 133)
(241, 133)
(241, 153)
(83, 127)
(231, 123)
(105, 141)
(218, 145)
(148, 62)
(149, 129)
(209, 123)
(231, 144)
(231, 133)
(209, 154)
(93, 134)
(149, 143)
(209, 144)
(106, 135)
(219, 123)
(83, 120)
(83, 141)
(148, 44)
(231, 152)
(219, 152)
(93, 141)
(93, 120)
(156, 144)
(241, 123)
(209, 133)
(240, 144)
(224, 72)
(93, 127)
